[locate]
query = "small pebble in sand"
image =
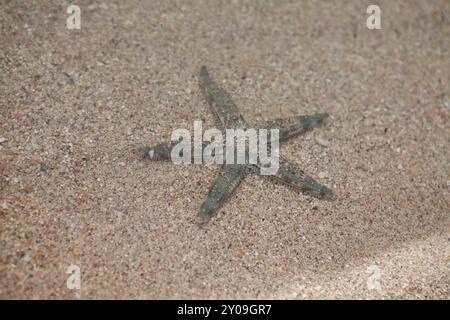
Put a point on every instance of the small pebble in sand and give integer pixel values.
(2, 140)
(69, 79)
(322, 175)
(118, 214)
(321, 141)
(128, 23)
(26, 258)
(92, 7)
(76, 251)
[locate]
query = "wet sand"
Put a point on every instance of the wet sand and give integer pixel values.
(77, 104)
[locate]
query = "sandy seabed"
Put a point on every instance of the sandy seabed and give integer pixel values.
(76, 105)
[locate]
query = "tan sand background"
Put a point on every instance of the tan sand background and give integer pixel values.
(75, 104)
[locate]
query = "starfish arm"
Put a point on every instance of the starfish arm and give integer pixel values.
(221, 189)
(220, 101)
(163, 151)
(292, 126)
(294, 177)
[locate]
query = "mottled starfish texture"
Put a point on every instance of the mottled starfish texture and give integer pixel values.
(230, 175)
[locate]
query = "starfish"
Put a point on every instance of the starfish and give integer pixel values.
(230, 175)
